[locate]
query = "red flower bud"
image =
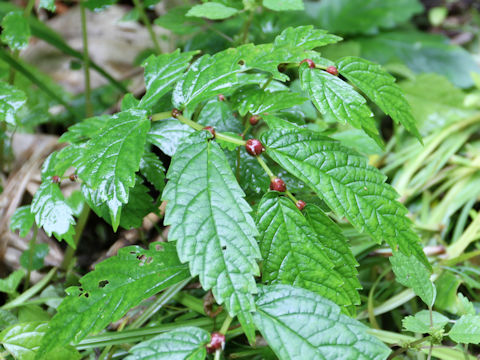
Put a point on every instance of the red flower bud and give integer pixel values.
(310, 63)
(254, 147)
(278, 184)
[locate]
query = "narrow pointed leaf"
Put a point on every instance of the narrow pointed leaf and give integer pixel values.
(292, 253)
(380, 87)
(338, 100)
(350, 187)
(299, 324)
(112, 157)
(211, 224)
(179, 344)
(161, 72)
(114, 287)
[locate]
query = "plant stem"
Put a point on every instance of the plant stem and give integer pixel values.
(246, 27)
(190, 123)
(3, 134)
(226, 325)
(230, 139)
(161, 116)
(265, 167)
(290, 195)
(31, 249)
(86, 61)
(141, 11)
(30, 292)
(370, 306)
(165, 297)
(82, 221)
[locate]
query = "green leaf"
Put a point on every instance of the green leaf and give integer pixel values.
(347, 184)
(114, 287)
(112, 157)
(292, 252)
(410, 272)
(305, 37)
(33, 258)
(219, 114)
(187, 342)
(16, 31)
(47, 4)
(152, 168)
(466, 330)
(84, 130)
(364, 16)
(338, 100)
(299, 324)
(10, 283)
(257, 101)
(7, 319)
(420, 323)
(211, 224)
(76, 202)
(23, 220)
(284, 5)
(97, 5)
(23, 341)
(422, 53)
(176, 21)
(207, 77)
(337, 249)
(380, 87)
(161, 72)
(212, 11)
(11, 99)
(168, 134)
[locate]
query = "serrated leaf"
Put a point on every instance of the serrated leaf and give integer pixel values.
(114, 287)
(112, 157)
(161, 72)
(299, 324)
(219, 114)
(84, 130)
(347, 184)
(11, 282)
(380, 87)
(466, 330)
(139, 205)
(129, 101)
(420, 323)
(337, 249)
(33, 258)
(11, 100)
(23, 220)
(167, 134)
(51, 211)
(76, 202)
(365, 16)
(257, 101)
(179, 344)
(211, 224)
(292, 252)
(15, 30)
(47, 4)
(338, 100)
(212, 11)
(23, 341)
(207, 77)
(284, 5)
(252, 176)
(305, 37)
(275, 122)
(152, 168)
(410, 272)
(7, 319)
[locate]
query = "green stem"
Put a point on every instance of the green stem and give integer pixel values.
(141, 11)
(230, 139)
(164, 298)
(190, 123)
(3, 134)
(226, 325)
(86, 61)
(246, 26)
(290, 195)
(191, 302)
(161, 116)
(370, 306)
(265, 167)
(82, 221)
(408, 346)
(30, 292)
(31, 249)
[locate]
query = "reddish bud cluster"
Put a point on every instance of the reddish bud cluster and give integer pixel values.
(210, 129)
(56, 179)
(73, 177)
(309, 62)
(277, 184)
(254, 147)
(221, 97)
(332, 70)
(217, 342)
(300, 205)
(254, 120)
(176, 113)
